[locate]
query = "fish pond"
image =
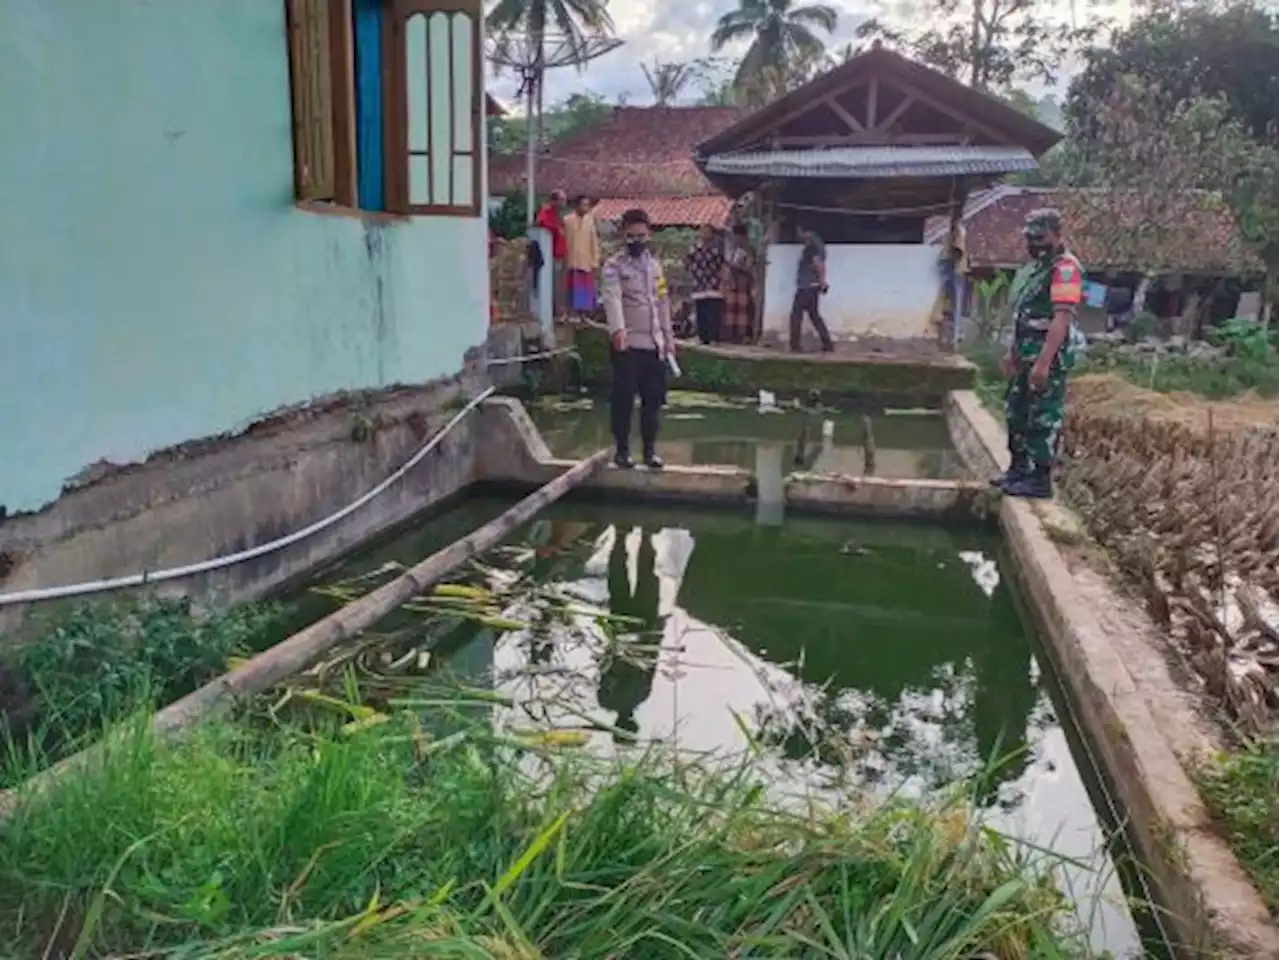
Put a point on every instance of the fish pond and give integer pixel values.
(768, 438)
(850, 658)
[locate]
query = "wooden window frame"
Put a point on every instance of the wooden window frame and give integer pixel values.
(396, 105)
(343, 119)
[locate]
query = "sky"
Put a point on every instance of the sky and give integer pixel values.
(678, 30)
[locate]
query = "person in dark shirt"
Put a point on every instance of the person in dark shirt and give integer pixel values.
(705, 263)
(811, 283)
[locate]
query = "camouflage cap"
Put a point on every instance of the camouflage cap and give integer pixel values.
(1040, 221)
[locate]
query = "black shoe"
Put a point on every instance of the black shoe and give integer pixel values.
(622, 460)
(1035, 486)
(653, 461)
(1012, 475)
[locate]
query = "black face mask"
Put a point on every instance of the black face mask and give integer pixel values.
(637, 247)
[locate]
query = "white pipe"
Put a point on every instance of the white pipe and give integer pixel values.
(525, 358)
(231, 559)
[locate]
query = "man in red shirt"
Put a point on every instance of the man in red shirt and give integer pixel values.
(551, 219)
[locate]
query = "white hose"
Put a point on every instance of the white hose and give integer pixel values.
(231, 559)
(525, 358)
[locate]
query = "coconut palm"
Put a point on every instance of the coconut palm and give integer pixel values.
(667, 80)
(781, 35)
(572, 21)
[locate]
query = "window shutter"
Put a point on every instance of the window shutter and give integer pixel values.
(313, 107)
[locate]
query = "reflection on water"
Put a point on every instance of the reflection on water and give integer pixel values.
(887, 445)
(868, 653)
(883, 656)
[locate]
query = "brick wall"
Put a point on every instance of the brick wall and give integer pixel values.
(507, 271)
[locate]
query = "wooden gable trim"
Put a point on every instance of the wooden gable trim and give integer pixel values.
(967, 122)
(896, 114)
(849, 120)
(773, 126)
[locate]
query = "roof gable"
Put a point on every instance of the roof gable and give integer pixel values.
(876, 94)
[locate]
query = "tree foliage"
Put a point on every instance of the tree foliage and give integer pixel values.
(667, 81)
(988, 44)
(783, 38)
(575, 113)
(1151, 160)
(1202, 50)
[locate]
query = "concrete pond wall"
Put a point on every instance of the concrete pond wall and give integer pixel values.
(1139, 720)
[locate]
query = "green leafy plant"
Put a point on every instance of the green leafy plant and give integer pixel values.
(1246, 339)
(95, 663)
(1241, 790)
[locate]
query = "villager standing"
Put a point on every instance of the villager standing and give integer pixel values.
(582, 257)
(811, 284)
(705, 263)
(738, 279)
(549, 217)
(1046, 293)
(638, 311)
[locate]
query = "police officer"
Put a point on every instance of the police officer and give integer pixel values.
(638, 311)
(1046, 292)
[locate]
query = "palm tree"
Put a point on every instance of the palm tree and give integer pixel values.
(781, 36)
(572, 20)
(667, 80)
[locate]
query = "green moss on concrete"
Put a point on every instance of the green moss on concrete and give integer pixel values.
(894, 382)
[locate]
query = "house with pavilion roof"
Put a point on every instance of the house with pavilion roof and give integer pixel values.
(865, 155)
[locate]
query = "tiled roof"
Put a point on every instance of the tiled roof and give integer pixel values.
(1206, 239)
(669, 211)
(873, 161)
(638, 152)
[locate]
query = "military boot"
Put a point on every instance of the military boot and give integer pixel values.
(1036, 485)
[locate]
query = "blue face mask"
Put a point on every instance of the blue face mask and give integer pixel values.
(637, 247)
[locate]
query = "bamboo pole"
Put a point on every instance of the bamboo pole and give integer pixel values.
(308, 646)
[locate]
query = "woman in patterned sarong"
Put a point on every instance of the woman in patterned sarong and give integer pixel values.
(738, 284)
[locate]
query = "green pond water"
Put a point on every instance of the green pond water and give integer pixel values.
(906, 443)
(888, 656)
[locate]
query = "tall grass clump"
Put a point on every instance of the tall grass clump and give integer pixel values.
(255, 838)
(1241, 789)
(96, 663)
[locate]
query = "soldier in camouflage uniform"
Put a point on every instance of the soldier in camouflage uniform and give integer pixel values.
(1046, 293)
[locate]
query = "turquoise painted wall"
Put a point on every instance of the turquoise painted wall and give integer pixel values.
(156, 282)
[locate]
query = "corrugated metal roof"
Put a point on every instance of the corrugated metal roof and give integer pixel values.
(872, 162)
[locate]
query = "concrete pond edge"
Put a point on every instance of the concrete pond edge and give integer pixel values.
(514, 453)
(1210, 905)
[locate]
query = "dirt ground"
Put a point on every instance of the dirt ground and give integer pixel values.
(1106, 395)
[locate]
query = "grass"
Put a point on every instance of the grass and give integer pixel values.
(95, 663)
(1214, 379)
(1241, 790)
(258, 837)
(1217, 379)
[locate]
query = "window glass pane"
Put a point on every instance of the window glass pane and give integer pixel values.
(415, 58)
(463, 174)
(419, 180)
(441, 108)
(463, 95)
